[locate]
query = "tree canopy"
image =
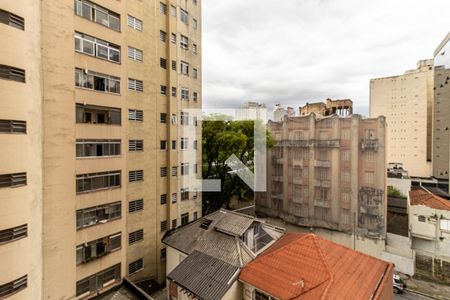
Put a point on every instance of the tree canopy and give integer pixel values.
(222, 138)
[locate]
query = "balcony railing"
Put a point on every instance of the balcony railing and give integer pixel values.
(277, 178)
(322, 203)
(322, 183)
(369, 145)
(322, 163)
(328, 143)
(277, 196)
(277, 160)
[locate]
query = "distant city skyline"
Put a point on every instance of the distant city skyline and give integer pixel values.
(310, 50)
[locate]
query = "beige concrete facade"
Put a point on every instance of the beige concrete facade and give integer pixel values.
(407, 101)
(441, 110)
(93, 151)
(328, 173)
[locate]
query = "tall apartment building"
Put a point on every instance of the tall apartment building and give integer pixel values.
(328, 172)
(407, 103)
(441, 110)
(251, 111)
(94, 115)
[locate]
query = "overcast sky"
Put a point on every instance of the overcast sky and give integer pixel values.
(294, 51)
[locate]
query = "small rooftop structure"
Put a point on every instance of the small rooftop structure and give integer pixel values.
(217, 247)
(305, 266)
(423, 197)
(342, 108)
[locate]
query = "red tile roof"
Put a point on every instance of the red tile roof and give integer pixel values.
(422, 197)
(307, 267)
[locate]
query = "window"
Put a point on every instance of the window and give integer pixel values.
(195, 168)
(11, 73)
(98, 281)
(163, 90)
(173, 38)
(163, 145)
(345, 155)
(97, 81)
(345, 134)
(95, 249)
(174, 198)
(174, 223)
(173, 11)
(184, 68)
(184, 16)
(184, 143)
(194, 23)
(15, 286)
(136, 236)
(135, 85)
(184, 194)
(345, 177)
(163, 172)
(195, 96)
(163, 63)
(163, 118)
(96, 47)
(421, 218)
(98, 14)
(12, 20)
(13, 180)
(12, 234)
(90, 114)
(97, 148)
(195, 144)
(98, 214)
(136, 205)
(184, 169)
(135, 115)
(97, 181)
(174, 91)
(134, 53)
(370, 156)
(136, 175)
(445, 225)
(174, 145)
(184, 42)
(194, 48)
(162, 8)
(163, 199)
(184, 118)
(134, 23)
(195, 215)
(163, 226)
(184, 219)
(162, 36)
(194, 1)
(163, 254)
(369, 178)
(174, 171)
(135, 145)
(195, 121)
(174, 65)
(13, 126)
(184, 94)
(194, 73)
(260, 296)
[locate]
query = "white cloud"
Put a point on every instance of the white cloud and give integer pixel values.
(293, 51)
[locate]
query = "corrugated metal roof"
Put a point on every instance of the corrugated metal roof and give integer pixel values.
(205, 276)
(225, 246)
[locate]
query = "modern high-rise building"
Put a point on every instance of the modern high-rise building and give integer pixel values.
(98, 99)
(441, 110)
(251, 111)
(407, 103)
(328, 172)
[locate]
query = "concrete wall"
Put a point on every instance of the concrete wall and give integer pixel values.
(406, 102)
(22, 152)
(398, 251)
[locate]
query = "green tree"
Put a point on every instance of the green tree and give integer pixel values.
(394, 192)
(223, 137)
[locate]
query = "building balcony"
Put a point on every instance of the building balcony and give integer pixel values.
(372, 210)
(277, 196)
(277, 160)
(322, 183)
(297, 163)
(297, 143)
(328, 144)
(322, 163)
(277, 178)
(322, 203)
(300, 181)
(369, 145)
